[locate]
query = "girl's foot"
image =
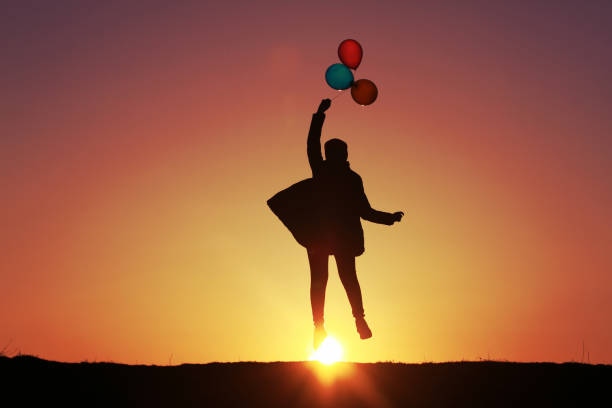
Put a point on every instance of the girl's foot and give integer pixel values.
(319, 335)
(362, 328)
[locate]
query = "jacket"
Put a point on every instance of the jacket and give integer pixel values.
(340, 200)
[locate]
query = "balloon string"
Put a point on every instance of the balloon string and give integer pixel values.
(340, 93)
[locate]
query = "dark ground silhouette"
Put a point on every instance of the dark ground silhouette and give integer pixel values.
(27, 380)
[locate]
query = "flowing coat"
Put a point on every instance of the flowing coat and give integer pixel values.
(324, 212)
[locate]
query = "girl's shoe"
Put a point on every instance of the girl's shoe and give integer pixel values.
(362, 328)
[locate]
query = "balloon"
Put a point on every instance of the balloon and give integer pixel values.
(364, 91)
(338, 76)
(350, 53)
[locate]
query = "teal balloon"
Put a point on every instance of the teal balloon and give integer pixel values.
(339, 76)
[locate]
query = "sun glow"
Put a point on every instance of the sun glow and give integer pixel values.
(329, 352)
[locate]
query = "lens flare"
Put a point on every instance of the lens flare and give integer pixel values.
(329, 352)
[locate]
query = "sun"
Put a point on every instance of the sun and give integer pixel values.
(329, 352)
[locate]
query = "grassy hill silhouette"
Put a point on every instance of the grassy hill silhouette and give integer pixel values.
(28, 379)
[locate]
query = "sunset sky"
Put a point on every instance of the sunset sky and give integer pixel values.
(139, 142)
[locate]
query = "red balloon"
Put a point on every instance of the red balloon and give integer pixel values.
(350, 53)
(364, 92)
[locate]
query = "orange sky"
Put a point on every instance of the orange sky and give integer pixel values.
(139, 146)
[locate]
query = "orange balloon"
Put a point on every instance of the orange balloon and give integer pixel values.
(364, 92)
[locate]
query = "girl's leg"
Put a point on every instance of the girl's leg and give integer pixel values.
(318, 284)
(348, 277)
